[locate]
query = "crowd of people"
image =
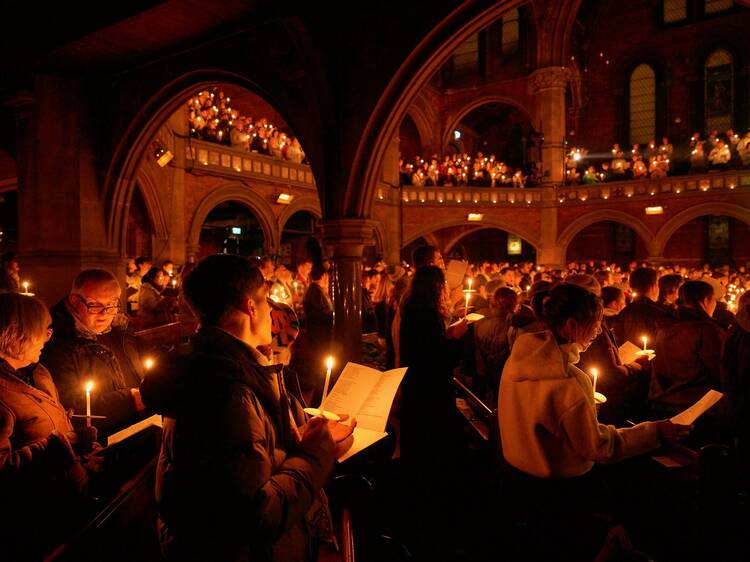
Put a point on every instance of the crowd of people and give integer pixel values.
(462, 169)
(211, 118)
(242, 469)
(718, 151)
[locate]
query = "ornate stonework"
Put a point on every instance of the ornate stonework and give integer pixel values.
(549, 78)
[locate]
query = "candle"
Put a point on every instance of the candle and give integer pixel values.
(466, 309)
(645, 342)
(26, 287)
(595, 374)
(329, 366)
(174, 283)
(89, 386)
(471, 281)
(148, 363)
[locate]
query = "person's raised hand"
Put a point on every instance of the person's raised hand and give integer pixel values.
(669, 431)
(317, 436)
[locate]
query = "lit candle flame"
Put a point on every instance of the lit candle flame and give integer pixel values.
(148, 363)
(89, 387)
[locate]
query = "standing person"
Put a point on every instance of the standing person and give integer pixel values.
(87, 346)
(550, 434)
(491, 340)
(42, 477)
(314, 342)
(154, 308)
(240, 473)
(10, 280)
(430, 351)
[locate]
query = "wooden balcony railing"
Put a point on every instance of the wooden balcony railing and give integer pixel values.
(225, 160)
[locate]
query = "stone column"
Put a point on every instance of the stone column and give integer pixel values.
(547, 85)
(549, 253)
(344, 241)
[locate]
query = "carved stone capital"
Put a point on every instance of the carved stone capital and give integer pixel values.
(552, 77)
(348, 237)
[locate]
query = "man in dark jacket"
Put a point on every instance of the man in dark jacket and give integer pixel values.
(640, 318)
(688, 352)
(239, 474)
(85, 346)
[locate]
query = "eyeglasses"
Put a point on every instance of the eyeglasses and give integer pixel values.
(98, 308)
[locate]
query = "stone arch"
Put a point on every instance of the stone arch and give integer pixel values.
(567, 235)
(303, 203)
(474, 104)
(156, 216)
(136, 140)
(487, 222)
(241, 194)
(672, 225)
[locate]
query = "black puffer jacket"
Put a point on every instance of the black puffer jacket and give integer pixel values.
(233, 480)
(111, 361)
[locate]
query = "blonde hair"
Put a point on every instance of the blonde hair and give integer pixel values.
(23, 319)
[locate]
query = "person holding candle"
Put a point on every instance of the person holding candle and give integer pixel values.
(551, 437)
(688, 352)
(641, 316)
(88, 345)
(240, 473)
(42, 475)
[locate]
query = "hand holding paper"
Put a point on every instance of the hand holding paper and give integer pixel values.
(688, 417)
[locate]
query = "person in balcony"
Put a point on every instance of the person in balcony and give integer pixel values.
(239, 138)
(294, 152)
(635, 152)
(720, 155)
(743, 149)
(639, 168)
(665, 148)
(618, 163)
(590, 177)
(651, 150)
(698, 162)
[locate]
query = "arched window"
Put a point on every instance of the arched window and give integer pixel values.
(674, 10)
(718, 91)
(466, 57)
(714, 6)
(511, 32)
(642, 104)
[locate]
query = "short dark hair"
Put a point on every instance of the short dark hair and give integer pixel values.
(692, 293)
(219, 283)
(669, 284)
(610, 294)
(642, 279)
(423, 256)
(505, 299)
(571, 301)
(140, 260)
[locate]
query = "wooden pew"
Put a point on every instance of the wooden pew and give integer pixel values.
(166, 335)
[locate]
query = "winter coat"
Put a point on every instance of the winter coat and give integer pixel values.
(314, 341)
(153, 307)
(110, 360)
(639, 318)
(735, 380)
(41, 478)
(548, 422)
(687, 363)
(233, 481)
(492, 348)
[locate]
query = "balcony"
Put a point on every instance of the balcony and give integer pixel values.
(226, 161)
(472, 196)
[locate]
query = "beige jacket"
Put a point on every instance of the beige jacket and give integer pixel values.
(547, 415)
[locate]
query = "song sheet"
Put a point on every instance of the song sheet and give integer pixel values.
(133, 429)
(628, 353)
(687, 417)
(455, 273)
(367, 395)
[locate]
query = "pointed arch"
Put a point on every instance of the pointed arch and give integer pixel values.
(306, 203)
(487, 222)
(640, 228)
(476, 103)
(244, 195)
(672, 225)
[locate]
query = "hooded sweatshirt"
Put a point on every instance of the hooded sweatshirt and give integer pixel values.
(547, 415)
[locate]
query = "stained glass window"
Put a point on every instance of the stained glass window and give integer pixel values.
(511, 32)
(718, 91)
(642, 104)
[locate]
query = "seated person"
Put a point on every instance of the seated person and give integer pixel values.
(639, 318)
(154, 309)
(491, 338)
(87, 346)
(669, 286)
(688, 352)
(551, 437)
(42, 479)
(240, 472)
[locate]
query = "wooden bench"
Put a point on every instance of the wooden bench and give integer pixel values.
(166, 335)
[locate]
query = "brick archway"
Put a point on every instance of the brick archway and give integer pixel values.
(474, 104)
(567, 235)
(242, 194)
(306, 203)
(672, 225)
(488, 222)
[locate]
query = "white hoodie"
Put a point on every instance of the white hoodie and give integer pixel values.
(547, 414)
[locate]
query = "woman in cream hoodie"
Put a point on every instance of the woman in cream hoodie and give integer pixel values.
(548, 423)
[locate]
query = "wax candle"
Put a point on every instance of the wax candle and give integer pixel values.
(595, 374)
(174, 283)
(89, 386)
(148, 363)
(329, 366)
(645, 343)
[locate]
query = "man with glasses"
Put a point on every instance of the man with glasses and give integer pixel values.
(86, 346)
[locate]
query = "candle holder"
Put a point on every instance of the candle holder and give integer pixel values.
(330, 416)
(599, 398)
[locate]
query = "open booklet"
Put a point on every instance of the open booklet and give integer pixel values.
(367, 395)
(630, 352)
(155, 420)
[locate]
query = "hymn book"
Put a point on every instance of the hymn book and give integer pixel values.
(367, 395)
